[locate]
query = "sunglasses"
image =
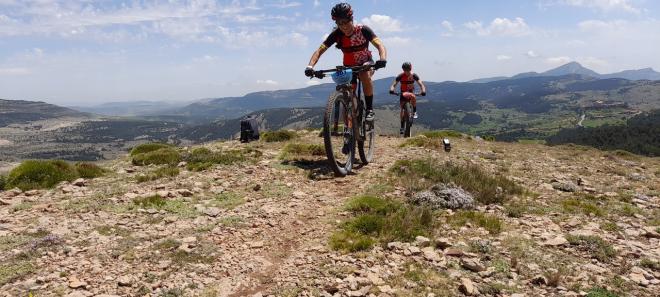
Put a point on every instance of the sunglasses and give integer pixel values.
(343, 22)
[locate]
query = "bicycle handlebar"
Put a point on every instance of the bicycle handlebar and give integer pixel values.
(397, 93)
(322, 73)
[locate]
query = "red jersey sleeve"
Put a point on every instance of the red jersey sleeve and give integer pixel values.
(368, 33)
(332, 38)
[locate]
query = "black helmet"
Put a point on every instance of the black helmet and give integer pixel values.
(406, 66)
(342, 11)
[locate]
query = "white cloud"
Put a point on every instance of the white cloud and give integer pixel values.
(285, 4)
(604, 5)
(532, 54)
(397, 41)
(190, 21)
(558, 60)
(598, 25)
(501, 27)
(267, 82)
(317, 3)
(14, 71)
(382, 23)
(308, 26)
(449, 28)
(503, 58)
(298, 39)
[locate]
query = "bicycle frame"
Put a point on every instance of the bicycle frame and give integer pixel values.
(401, 116)
(350, 92)
(346, 106)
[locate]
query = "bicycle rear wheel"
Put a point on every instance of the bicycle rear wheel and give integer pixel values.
(338, 134)
(407, 119)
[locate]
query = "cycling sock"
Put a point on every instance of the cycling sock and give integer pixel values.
(369, 100)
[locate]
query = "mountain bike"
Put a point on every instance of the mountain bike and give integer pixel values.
(344, 123)
(406, 115)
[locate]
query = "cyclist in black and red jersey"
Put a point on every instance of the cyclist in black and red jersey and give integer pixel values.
(353, 40)
(407, 80)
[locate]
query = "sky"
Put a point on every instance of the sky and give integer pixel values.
(89, 52)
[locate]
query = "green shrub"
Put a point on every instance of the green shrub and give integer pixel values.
(162, 156)
(2, 182)
(422, 174)
(148, 147)
(370, 204)
(573, 205)
(295, 150)
(34, 174)
(601, 292)
(488, 137)
(89, 170)
(650, 264)
(408, 222)
(422, 141)
(442, 134)
(380, 220)
(516, 210)
(350, 241)
(278, 136)
(202, 158)
(158, 174)
(366, 224)
(13, 270)
(595, 245)
(489, 222)
(155, 201)
(228, 200)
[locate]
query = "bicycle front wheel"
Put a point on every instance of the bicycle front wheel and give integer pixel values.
(408, 119)
(366, 146)
(338, 134)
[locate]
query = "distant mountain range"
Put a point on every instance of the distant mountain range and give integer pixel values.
(207, 110)
(132, 108)
(577, 68)
(526, 107)
(21, 111)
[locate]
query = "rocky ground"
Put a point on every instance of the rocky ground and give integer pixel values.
(262, 228)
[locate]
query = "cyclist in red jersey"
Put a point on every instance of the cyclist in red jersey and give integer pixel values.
(407, 80)
(353, 41)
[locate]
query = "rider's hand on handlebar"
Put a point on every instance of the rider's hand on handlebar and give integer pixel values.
(423, 93)
(309, 71)
(380, 64)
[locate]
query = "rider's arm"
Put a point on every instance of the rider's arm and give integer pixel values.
(382, 52)
(420, 83)
(371, 36)
(317, 54)
(328, 42)
(394, 83)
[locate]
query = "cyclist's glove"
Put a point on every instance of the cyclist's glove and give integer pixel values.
(380, 64)
(392, 92)
(309, 71)
(423, 94)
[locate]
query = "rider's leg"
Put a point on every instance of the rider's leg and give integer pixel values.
(413, 101)
(401, 113)
(368, 86)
